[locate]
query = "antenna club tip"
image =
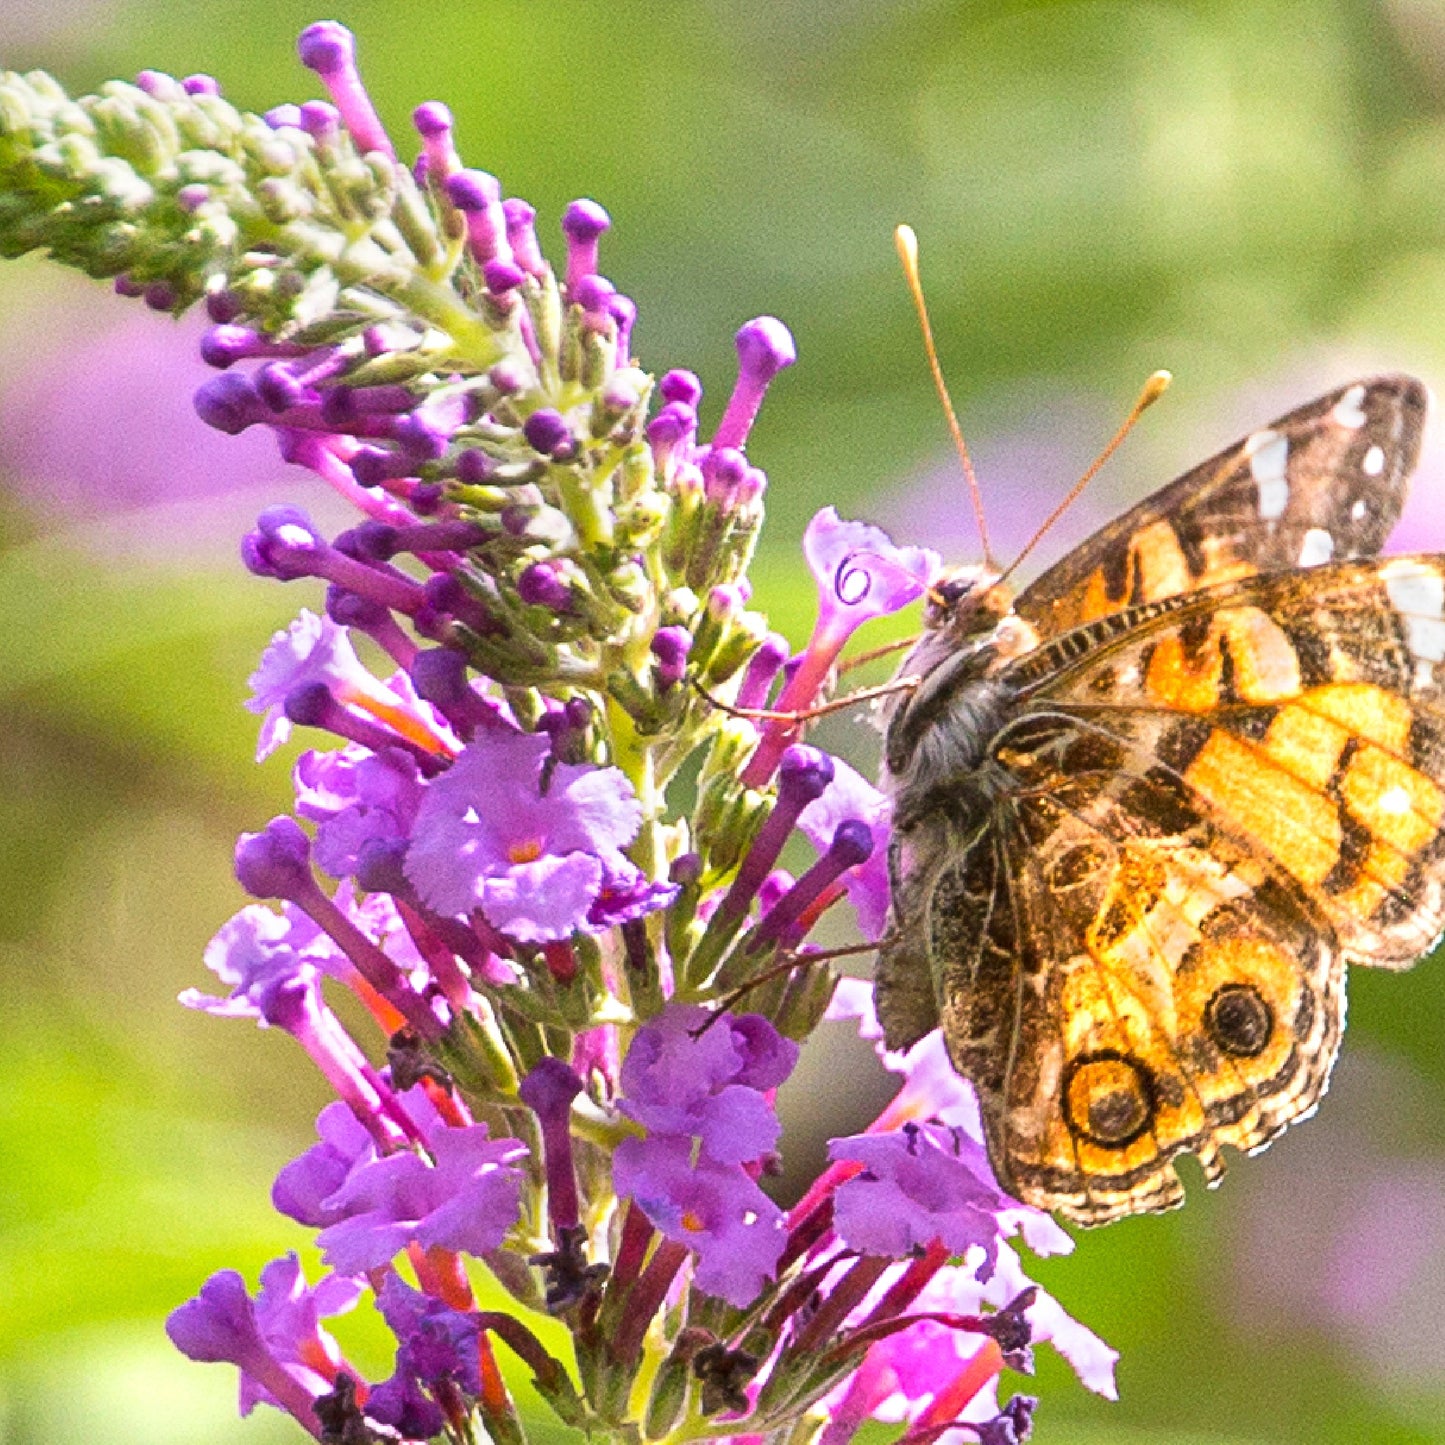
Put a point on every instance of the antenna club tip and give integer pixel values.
(1155, 387)
(906, 242)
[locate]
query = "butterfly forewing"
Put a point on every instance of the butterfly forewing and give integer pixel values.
(1326, 482)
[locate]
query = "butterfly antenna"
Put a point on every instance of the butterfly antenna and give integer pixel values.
(1154, 388)
(907, 246)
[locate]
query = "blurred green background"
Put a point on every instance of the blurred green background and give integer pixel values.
(1251, 194)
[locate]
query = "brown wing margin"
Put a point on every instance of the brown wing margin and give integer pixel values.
(1327, 481)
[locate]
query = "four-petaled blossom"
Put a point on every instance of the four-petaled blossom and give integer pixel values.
(691, 1074)
(534, 843)
(466, 1200)
(312, 650)
(919, 1184)
(355, 796)
(714, 1209)
(861, 574)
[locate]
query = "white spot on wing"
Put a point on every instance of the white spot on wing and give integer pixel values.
(1374, 462)
(1268, 452)
(1318, 547)
(1347, 411)
(1393, 800)
(1358, 510)
(1418, 595)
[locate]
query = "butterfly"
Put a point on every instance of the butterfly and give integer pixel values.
(1148, 812)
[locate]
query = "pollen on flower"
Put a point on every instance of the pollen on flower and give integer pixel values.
(527, 851)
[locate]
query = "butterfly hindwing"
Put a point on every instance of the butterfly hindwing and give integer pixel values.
(1137, 985)
(1326, 482)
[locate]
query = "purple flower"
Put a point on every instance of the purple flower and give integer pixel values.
(850, 797)
(289, 1314)
(436, 1345)
(268, 1339)
(536, 863)
(918, 1184)
(714, 1209)
(860, 573)
(313, 649)
(356, 796)
(466, 1201)
(682, 1080)
(305, 1188)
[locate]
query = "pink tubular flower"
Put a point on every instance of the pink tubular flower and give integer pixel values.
(861, 574)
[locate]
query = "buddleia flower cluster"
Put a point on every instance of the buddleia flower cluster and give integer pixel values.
(539, 844)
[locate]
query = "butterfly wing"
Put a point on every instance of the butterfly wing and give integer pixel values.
(1206, 806)
(1325, 482)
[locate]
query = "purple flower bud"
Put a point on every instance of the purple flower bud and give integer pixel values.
(522, 236)
(667, 428)
(422, 437)
(311, 704)
(276, 862)
(278, 387)
(370, 541)
(592, 293)
(803, 774)
(583, 222)
(548, 1092)
(281, 116)
(432, 118)
(223, 306)
(722, 472)
(765, 347)
(155, 82)
(125, 286)
(320, 120)
(223, 346)
(475, 466)
(192, 197)
(578, 712)
(502, 276)
(439, 157)
(479, 197)
(681, 386)
(670, 646)
(440, 675)
(762, 670)
(329, 49)
(547, 432)
(229, 403)
(379, 866)
(623, 311)
(346, 609)
(201, 85)
(540, 586)
(371, 466)
(427, 498)
(160, 296)
(686, 869)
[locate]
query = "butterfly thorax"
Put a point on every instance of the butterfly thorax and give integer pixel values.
(938, 735)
